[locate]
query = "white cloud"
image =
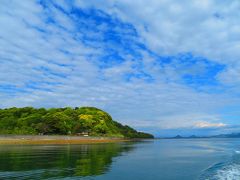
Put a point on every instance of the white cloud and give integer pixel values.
(206, 28)
(180, 120)
(230, 76)
(55, 57)
(209, 125)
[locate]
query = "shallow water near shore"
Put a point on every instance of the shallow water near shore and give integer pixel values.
(171, 159)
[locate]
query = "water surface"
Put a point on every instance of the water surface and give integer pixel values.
(166, 159)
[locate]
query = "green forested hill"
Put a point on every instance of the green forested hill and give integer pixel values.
(64, 121)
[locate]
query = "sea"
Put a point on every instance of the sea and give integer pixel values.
(158, 159)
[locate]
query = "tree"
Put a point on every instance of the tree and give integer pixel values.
(59, 123)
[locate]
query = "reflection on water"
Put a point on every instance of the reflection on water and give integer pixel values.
(167, 159)
(41, 162)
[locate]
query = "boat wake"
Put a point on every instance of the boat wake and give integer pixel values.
(224, 171)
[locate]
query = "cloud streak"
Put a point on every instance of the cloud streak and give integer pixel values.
(209, 125)
(167, 65)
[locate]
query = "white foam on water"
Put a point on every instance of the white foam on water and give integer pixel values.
(228, 172)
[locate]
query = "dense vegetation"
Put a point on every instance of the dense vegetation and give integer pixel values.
(64, 121)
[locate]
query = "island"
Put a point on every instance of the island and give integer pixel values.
(73, 125)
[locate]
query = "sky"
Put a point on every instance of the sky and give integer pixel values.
(166, 67)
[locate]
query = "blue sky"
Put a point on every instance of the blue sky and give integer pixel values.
(165, 67)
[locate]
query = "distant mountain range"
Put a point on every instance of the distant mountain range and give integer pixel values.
(232, 135)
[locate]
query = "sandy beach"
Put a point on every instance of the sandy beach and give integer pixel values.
(51, 139)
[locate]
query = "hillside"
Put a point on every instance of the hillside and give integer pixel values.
(64, 121)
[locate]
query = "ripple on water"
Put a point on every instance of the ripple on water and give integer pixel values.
(224, 171)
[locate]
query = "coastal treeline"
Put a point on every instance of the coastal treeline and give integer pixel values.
(64, 121)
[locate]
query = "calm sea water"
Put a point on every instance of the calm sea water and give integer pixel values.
(187, 159)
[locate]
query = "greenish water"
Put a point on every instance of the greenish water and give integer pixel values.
(171, 159)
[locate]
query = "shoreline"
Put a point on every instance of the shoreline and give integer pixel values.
(56, 139)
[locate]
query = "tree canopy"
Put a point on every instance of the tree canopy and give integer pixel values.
(64, 121)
